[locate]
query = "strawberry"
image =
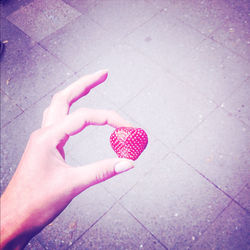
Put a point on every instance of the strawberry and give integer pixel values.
(128, 142)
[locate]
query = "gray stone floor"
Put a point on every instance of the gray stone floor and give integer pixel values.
(180, 70)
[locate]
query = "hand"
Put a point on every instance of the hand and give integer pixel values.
(44, 184)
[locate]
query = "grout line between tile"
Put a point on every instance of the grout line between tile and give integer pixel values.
(92, 225)
(143, 226)
(211, 182)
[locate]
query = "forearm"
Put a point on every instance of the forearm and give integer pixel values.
(14, 220)
(12, 234)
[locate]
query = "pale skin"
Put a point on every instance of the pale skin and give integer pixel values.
(44, 184)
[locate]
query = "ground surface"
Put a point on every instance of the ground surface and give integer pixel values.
(178, 69)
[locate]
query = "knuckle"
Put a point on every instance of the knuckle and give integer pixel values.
(112, 113)
(59, 97)
(45, 111)
(39, 136)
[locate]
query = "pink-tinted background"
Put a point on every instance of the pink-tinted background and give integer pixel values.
(178, 69)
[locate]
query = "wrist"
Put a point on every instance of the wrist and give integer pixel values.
(14, 231)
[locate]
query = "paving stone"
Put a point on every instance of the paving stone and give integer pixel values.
(150, 158)
(81, 6)
(121, 17)
(238, 103)
(31, 74)
(204, 16)
(41, 18)
(8, 7)
(78, 43)
(169, 109)
(230, 231)
(213, 70)
(85, 210)
(165, 40)
(129, 73)
(234, 33)
(9, 110)
(15, 135)
(34, 244)
(243, 197)
(240, 6)
(219, 149)
(175, 203)
(117, 230)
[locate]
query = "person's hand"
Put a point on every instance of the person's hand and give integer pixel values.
(44, 184)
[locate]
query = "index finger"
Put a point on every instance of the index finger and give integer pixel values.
(83, 86)
(61, 101)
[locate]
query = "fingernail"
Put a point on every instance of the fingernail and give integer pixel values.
(123, 166)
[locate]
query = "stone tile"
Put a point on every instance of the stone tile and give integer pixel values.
(235, 34)
(213, 70)
(34, 244)
(15, 135)
(219, 149)
(9, 110)
(17, 44)
(8, 7)
(238, 103)
(204, 16)
(165, 39)
(243, 197)
(129, 73)
(31, 73)
(120, 17)
(117, 230)
(14, 138)
(81, 6)
(240, 6)
(85, 210)
(78, 43)
(41, 18)
(169, 109)
(230, 231)
(175, 203)
(150, 158)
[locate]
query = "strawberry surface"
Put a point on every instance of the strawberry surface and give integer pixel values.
(128, 142)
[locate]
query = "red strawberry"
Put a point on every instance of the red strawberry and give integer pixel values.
(128, 142)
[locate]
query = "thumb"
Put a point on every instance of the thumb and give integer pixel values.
(91, 174)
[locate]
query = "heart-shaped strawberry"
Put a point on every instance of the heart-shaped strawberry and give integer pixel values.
(128, 142)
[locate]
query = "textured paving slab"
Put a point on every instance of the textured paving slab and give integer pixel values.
(235, 34)
(85, 210)
(213, 70)
(165, 39)
(41, 18)
(151, 158)
(34, 244)
(204, 16)
(175, 203)
(33, 72)
(121, 17)
(219, 149)
(243, 198)
(8, 7)
(129, 73)
(15, 135)
(81, 6)
(230, 231)
(9, 110)
(169, 109)
(239, 104)
(117, 230)
(78, 43)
